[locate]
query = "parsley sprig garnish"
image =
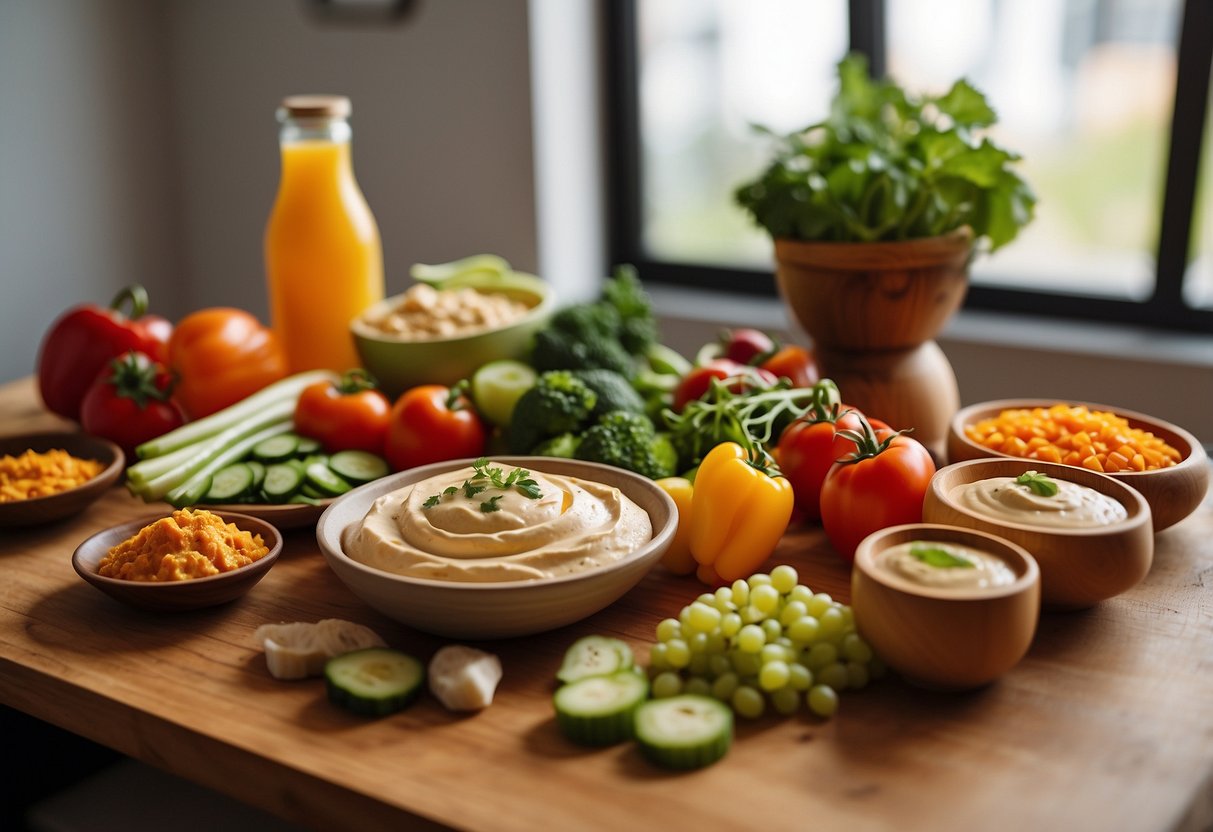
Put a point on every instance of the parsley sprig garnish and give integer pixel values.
(485, 477)
(1038, 483)
(939, 557)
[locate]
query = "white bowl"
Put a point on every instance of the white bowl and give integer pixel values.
(504, 609)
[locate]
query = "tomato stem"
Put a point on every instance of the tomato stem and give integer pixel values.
(355, 381)
(136, 295)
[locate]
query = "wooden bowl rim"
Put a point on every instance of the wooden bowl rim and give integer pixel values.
(1194, 455)
(940, 248)
(85, 566)
(1134, 502)
(1027, 571)
(53, 438)
(650, 551)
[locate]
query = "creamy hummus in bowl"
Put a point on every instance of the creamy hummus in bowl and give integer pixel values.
(499, 547)
(1091, 534)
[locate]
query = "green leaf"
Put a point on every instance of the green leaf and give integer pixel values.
(966, 106)
(1038, 483)
(490, 504)
(981, 165)
(938, 557)
(432, 501)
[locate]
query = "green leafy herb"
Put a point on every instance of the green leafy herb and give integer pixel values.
(939, 557)
(886, 165)
(1038, 483)
(485, 477)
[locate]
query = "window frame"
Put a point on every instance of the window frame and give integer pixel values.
(1165, 308)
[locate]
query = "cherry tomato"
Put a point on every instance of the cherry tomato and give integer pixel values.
(747, 346)
(795, 364)
(350, 415)
(884, 487)
(808, 448)
(432, 423)
(695, 384)
(129, 403)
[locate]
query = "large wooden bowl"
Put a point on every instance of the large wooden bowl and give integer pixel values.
(176, 596)
(1173, 493)
(949, 639)
(1078, 567)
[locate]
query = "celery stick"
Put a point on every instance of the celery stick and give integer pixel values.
(209, 449)
(229, 455)
(141, 473)
(288, 388)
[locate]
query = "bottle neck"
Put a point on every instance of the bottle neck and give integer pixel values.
(332, 130)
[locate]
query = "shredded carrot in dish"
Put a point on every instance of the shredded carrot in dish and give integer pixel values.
(187, 544)
(34, 474)
(1074, 435)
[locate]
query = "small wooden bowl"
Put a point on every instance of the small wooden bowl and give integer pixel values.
(1173, 493)
(1078, 567)
(65, 503)
(176, 596)
(944, 638)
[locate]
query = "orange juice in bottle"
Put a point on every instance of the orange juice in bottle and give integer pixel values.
(323, 257)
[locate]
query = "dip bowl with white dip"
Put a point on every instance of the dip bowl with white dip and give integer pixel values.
(948, 608)
(450, 552)
(1093, 539)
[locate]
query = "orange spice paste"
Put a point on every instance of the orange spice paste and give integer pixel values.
(187, 544)
(34, 474)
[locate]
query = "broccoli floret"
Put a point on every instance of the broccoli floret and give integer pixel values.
(556, 349)
(614, 391)
(637, 330)
(629, 440)
(558, 403)
(564, 446)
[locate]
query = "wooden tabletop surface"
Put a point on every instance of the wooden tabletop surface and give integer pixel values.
(1107, 724)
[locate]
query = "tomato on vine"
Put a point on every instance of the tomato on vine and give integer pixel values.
(881, 484)
(347, 415)
(433, 423)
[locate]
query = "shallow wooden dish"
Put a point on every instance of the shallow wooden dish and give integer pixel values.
(939, 638)
(1173, 493)
(283, 516)
(508, 608)
(176, 596)
(1078, 567)
(66, 503)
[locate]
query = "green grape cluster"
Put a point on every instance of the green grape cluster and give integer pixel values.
(767, 639)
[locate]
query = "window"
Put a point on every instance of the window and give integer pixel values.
(1107, 101)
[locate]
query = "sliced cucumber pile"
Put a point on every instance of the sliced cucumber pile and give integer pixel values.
(288, 468)
(605, 700)
(376, 681)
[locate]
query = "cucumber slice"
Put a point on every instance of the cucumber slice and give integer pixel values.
(600, 710)
(308, 446)
(322, 478)
(376, 681)
(258, 470)
(684, 732)
(229, 484)
(358, 466)
(594, 656)
(276, 448)
(282, 482)
(305, 500)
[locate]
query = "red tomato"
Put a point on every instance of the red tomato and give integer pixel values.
(795, 364)
(745, 346)
(432, 423)
(808, 449)
(695, 384)
(348, 416)
(129, 403)
(885, 487)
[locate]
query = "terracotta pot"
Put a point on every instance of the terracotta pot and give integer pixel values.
(874, 296)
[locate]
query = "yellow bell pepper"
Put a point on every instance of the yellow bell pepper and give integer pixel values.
(678, 557)
(738, 514)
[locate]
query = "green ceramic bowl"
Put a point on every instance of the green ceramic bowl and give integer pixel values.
(399, 363)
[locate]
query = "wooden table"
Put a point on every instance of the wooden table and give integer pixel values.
(1107, 724)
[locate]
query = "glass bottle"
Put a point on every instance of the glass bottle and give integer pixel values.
(323, 256)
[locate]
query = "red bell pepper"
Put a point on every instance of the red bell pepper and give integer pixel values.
(80, 344)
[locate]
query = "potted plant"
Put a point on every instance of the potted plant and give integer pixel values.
(876, 213)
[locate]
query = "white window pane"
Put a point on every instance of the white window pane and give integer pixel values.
(708, 71)
(1198, 282)
(1084, 92)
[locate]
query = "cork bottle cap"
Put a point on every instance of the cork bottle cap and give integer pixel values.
(317, 106)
